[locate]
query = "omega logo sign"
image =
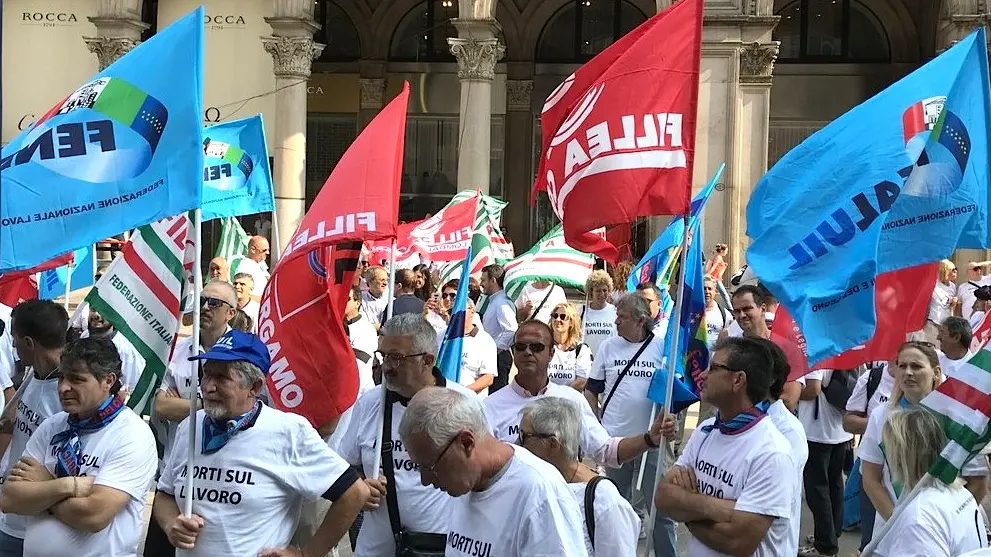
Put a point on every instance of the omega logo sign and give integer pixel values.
(219, 22)
(49, 19)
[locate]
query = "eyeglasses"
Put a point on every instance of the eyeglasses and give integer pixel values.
(395, 359)
(535, 347)
(451, 295)
(561, 316)
(212, 303)
(521, 441)
(433, 466)
(717, 367)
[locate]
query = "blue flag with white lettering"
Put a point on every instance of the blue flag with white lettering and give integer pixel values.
(236, 177)
(52, 282)
(450, 354)
(123, 150)
(898, 181)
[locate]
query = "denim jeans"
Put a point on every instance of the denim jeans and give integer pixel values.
(11, 546)
(625, 477)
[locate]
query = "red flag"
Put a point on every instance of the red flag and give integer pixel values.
(445, 236)
(981, 334)
(360, 200)
(901, 303)
(59, 261)
(313, 373)
(13, 292)
(619, 133)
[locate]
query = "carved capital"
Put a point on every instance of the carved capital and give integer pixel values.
(476, 57)
(372, 93)
(293, 56)
(518, 92)
(109, 49)
(757, 62)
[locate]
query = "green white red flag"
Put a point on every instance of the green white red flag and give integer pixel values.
(549, 259)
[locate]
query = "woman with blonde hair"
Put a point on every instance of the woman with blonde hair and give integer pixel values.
(572, 359)
(620, 273)
(942, 520)
(944, 301)
(598, 316)
(917, 373)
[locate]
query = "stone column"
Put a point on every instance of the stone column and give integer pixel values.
(293, 51)
(118, 29)
(518, 161)
(477, 50)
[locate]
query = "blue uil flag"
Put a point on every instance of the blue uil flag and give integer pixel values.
(121, 151)
(898, 181)
(236, 177)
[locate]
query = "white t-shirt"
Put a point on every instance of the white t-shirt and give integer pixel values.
(869, 450)
(599, 324)
(504, 411)
(363, 335)
(617, 526)
(858, 399)
(250, 491)
(121, 456)
(527, 512)
(365, 383)
(372, 307)
(39, 402)
(753, 468)
(421, 508)
(567, 365)
(716, 319)
(939, 303)
(939, 522)
(628, 413)
(827, 426)
(132, 362)
(535, 295)
(949, 366)
(179, 377)
(478, 357)
(791, 429)
(258, 271)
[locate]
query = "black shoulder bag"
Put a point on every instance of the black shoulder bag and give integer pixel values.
(408, 544)
(623, 373)
(590, 506)
(542, 302)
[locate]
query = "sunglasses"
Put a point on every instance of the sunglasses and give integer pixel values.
(212, 303)
(561, 316)
(450, 295)
(535, 347)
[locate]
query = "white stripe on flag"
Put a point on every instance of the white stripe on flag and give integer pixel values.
(957, 411)
(956, 454)
(974, 376)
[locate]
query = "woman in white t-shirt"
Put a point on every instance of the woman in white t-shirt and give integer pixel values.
(944, 301)
(942, 520)
(572, 359)
(598, 316)
(917, 373)
(549, 429)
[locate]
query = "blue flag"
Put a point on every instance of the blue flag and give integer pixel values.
(237, 179)
(898, 181)
(449, 357)
(121, 151)
(663, 252)
(51, 284)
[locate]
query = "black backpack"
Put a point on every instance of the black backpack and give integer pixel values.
(840, 387)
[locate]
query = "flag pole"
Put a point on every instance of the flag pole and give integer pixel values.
(669, 388)
(377, 460)
(197, 290)
(276, 246)
(900, 507)
(68, 283)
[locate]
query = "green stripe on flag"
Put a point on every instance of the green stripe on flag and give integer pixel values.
(120, 100)
(168, 258)
(233, 154)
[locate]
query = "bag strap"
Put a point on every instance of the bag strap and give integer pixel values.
(542, 302)
(388, 468)
(623, 373)
(580, 318)
(873, 382)
(590, 506)
(365, 357)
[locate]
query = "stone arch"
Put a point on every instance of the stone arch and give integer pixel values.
(384, 22)
(536, 15)
(360, 15)
(509, 18)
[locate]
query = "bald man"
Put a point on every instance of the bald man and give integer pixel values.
(254, 264)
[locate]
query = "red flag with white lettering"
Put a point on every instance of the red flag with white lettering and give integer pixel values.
(314, 372)
(59, 261)
(445, 236)
(901, 303)
(619, 133)
(360, 200)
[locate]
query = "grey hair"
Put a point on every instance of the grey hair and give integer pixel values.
(228, 289)
(960, 328)
(559, 417)
(913, 439)
(639, 309)
(249, 372)
(441, 414)
(413, 325)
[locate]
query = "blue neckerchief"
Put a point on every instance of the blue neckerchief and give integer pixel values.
(904, 403)
(741, 422)
(217, 434)
(68, 450)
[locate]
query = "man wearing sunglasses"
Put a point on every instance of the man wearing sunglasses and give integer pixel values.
(218, 303)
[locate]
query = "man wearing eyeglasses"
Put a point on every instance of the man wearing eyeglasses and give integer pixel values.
(218, 304)
(407, 348)
(254, 264)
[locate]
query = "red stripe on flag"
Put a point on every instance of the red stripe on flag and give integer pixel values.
(155, 284)
(179, 239)
(913, 121)
(965, 394)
